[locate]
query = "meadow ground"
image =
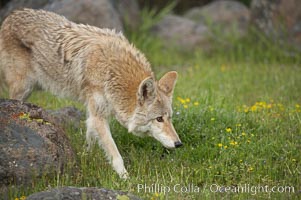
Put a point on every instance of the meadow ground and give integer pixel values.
(238, 113)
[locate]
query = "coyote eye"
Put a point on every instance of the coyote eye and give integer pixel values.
(160, 119)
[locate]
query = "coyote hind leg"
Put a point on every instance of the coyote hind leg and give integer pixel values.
(20, 89)
(18, 73)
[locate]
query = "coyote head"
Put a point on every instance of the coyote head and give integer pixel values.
(154, 110)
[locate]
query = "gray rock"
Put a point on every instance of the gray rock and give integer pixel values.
(16, 4)
(31, 144)
(280, 20)
(81, 193)
(129, 12)
(228, 16)
(67, 116)
(100, 13)
(182, 32)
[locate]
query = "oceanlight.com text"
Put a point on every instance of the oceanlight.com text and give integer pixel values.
(251, 189)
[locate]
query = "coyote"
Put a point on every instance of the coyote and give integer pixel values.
(97, 67)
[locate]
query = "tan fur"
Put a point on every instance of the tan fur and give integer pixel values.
(98, 67)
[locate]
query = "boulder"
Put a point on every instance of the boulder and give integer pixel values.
(67, 116)
(99, 13)
(227, 16)
(129, 12)
(182, 32)
(31, 144)
(280, 20)
(16, 4)
(75, 193)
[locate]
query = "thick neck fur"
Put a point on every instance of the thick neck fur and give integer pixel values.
(120, 69)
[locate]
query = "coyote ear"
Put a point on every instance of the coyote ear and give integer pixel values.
(146, 91)
(167, 82)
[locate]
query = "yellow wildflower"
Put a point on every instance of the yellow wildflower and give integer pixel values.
(187, 100)
(225, 147)
(185, 106)
(22, 197)
(243, 134)
(262, 104)
(223, 68)
(219, 144)
(298, 109)
(253, 108)
(228, 130)
(280, 106)
(182, 101)
(250, 169)
(196, 103)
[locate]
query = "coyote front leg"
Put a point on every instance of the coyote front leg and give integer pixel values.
(98, 127)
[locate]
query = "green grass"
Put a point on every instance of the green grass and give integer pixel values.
(237, 111)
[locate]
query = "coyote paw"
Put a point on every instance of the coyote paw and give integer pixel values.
(124, 175)
(120, 169)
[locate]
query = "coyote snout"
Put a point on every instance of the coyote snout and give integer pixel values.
(162, 130)
(98, 67)
(166, 134)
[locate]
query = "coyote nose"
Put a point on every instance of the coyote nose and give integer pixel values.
(178, 144)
